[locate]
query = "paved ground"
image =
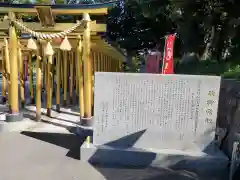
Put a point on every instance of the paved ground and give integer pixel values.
(49, 151)
(26, 158)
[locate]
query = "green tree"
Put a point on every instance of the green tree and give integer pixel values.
(207, 28)
(133, 30)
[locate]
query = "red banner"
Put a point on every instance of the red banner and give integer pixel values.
(168, 62)
(153, 63)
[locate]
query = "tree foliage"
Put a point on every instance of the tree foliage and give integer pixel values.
(207, 29)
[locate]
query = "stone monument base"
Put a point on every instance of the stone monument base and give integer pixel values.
(198, 162)
(14, 117)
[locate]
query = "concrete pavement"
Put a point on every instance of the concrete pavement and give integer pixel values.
(49, 151)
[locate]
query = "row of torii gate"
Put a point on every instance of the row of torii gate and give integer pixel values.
(71, 52)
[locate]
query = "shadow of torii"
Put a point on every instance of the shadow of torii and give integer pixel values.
(73, 143)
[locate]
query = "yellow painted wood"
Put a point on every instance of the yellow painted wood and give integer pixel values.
(98, 61)
(105, 62)
(77, 74)
(14, 67)
(101, 62)
(111, 64)
(100, 45)
(61, 68)
(7, 61)
(80, 77)
(87, 70)
(45, 16)
(94, 58)
(108, 64)
(58, 94)
(65, 81)
(30, 67)
(49, 85)
(73, 62)
(38, 83)
(72, 37)
(4, 25)
(116, 65)
(97, 45)
(71, 76)
(4, 78)
(42, 64)
(22, 76)
(45, 70)
(120, 66)
(97, 11)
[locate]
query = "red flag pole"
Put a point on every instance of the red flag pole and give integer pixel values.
(168, 65)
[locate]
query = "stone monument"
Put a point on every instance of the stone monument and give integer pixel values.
(152, 117)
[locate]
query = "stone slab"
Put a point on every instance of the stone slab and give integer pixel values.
(155, 111)
(201, 163)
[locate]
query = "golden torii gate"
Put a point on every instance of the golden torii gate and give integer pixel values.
(82, 47)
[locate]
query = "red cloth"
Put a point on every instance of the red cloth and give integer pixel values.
(168, 63)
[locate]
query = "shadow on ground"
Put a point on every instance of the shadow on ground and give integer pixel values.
(46, 120)
(110, 172)
(32, 113)
(120, 173)
(73, 143)
(67, 141)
